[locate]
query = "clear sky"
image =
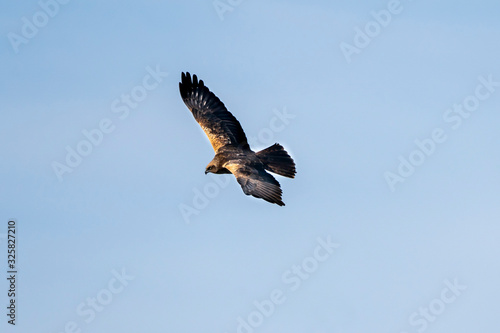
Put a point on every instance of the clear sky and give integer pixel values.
(390, 110)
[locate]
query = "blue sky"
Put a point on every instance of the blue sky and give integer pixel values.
(391, 224)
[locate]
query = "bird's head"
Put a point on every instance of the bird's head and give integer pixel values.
(211, 167)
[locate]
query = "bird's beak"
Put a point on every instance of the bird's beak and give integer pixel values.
(206, 172)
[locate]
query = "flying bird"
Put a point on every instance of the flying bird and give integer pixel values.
(232, 152)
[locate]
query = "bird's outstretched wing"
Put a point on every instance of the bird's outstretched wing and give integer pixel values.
(257, 182)
(217, 122)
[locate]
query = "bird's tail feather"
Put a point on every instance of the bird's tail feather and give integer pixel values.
(277, 160)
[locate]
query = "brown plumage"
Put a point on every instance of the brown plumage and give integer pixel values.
(232, 152)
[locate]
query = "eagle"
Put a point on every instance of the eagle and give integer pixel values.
(232, 152)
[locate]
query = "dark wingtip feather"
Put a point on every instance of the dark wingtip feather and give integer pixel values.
(187, 84)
